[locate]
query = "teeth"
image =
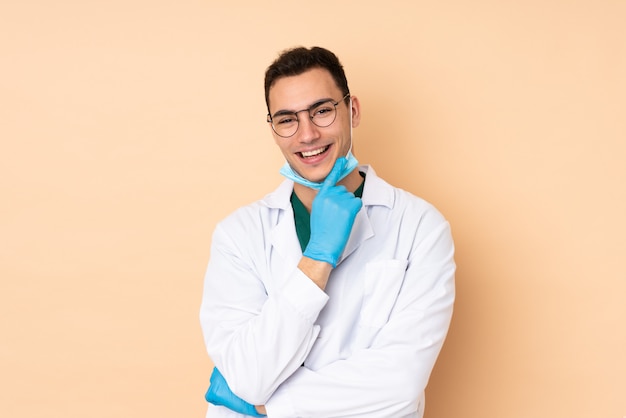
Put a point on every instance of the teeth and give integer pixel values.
(314, 152)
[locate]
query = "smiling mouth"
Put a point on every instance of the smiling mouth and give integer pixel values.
(313, 153)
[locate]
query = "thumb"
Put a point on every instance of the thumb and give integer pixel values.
(335, 173)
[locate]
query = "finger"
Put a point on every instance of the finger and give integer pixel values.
(335, 173)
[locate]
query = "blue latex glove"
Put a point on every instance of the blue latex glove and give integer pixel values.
(220, 394)
(332, 216)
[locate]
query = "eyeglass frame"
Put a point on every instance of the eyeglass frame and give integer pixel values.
(308, 110)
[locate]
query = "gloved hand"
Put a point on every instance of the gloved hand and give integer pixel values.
(220, 394)
(332, 216)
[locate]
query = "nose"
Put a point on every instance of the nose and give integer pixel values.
(307, 130)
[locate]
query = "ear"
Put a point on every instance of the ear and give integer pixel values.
(356, 111)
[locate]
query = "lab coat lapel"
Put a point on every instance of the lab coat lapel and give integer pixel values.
(361, 231)
(284, 238)
(375, 193)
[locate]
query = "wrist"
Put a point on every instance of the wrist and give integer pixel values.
(326, 256)
(317, 271)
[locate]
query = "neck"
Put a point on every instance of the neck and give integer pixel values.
(306, 195)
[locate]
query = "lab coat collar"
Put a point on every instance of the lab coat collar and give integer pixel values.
(280, 198)
(376, 192)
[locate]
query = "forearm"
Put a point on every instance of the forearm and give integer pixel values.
(355, 387)
(387, 379)
(388, 373)
(242, 335)
(318, 272)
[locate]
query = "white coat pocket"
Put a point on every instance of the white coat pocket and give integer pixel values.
(383, 280)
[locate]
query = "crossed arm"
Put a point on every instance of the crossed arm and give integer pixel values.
(260, 339)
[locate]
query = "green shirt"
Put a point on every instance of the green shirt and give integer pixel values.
(302, 217)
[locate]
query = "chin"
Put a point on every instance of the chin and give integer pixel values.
(318, 173)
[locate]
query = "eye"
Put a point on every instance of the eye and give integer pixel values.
(323, 110)
(285, 119)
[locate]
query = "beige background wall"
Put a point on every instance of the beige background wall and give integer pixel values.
(129, 128)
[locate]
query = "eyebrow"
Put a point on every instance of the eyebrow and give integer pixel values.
(293, 112)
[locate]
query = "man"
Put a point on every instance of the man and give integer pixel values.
(331, 296)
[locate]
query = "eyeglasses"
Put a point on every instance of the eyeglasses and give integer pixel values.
(322, 114)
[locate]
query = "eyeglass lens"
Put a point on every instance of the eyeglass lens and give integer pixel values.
(322, 115)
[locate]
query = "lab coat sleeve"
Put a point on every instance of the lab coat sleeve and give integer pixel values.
(387, 378)
(256, 340)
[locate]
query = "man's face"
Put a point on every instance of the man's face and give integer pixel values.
(312, 151)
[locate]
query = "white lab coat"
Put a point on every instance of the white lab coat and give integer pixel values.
(365, 346)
